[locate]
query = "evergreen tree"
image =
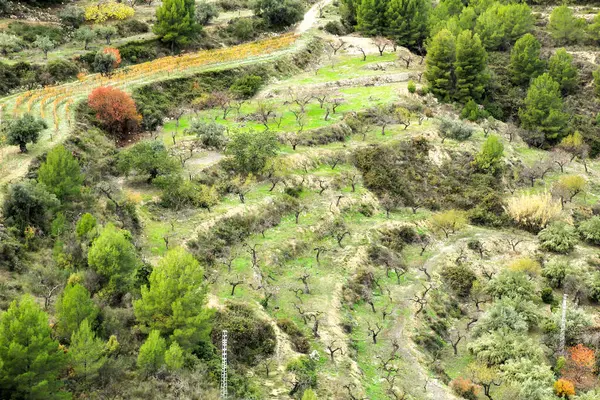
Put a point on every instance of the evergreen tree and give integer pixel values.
(114, 258)
(525, 63)
(439, 65)
(174, 357)
(408, 22)
(23, 130)
(371, 17)
(564, 27)
(470, 68)
(31, 360)
(61, 173)
(29, 204)
(543, 108)
(562, 70)
(348, 11)
(86, 352)
(151, 357)
(175, 22)
(72, 307)
(490, 157)
(173, 303)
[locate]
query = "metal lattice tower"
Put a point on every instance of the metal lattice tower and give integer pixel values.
(563, 325)
(224, 367)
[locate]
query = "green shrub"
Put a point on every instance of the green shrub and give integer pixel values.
(299, 341)
(250, 338)
(473, 112)
(137, 52)
(62, 70)
(555, 272)
(30, 32)
(232, 5)
(205, 12)
(547, 295)
(72, 16)
(243, 29)
(210, 134)
(590, 230)
(335, 28)
(132, 27)
(453, 129)
(559, 237)
(246, 86)
(412, 86)
(460, 278)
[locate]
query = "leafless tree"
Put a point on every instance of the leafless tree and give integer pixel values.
(561, 158)
(264, 111)
(454, 338)
(304, 278)
(235, 282)
(374, 331)
(316, 317)
(319, 250)
(381, 43)
(513, 242)
(336, 45)
(407, 57)
(421, 299)
(322, 185)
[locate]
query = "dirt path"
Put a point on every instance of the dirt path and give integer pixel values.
(311, 16)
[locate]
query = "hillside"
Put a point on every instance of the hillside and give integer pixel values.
(375, 200)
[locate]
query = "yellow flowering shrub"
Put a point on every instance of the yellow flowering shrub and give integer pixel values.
(104, 11)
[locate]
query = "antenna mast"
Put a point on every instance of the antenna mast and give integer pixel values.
(224, 367)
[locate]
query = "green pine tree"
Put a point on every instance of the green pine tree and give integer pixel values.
(562, 70)
(490, 157)
(174, 357)
(86, 352)
(113, 257)
(525, 63)
(61, 173)
(371, 17)
(31, 360)
(407, 22)
(439, 65)
(72, 307)
(175, 22)
(543, 108)
(564, 27)
(470, 68)
(173, 303)
(151, 357)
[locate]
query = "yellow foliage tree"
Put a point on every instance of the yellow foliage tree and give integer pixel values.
(529, 266)
(448, 221)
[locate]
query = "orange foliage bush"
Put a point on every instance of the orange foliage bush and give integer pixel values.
(465, 388)
(564, 388)
(579, 367)
(115, 109)
(116, 53)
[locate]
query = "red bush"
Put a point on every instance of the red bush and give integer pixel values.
(115, 109)
(579, 367)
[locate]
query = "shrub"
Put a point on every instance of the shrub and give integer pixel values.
(547, 295)
(149, 158)
(246, 86)
(453, 129)
(555, 272)
(448, 221)
(527, 265)
(335, 28)
(29, 32)
(232, 5)
(250, 338)
(533, 212)
(210, 134)
(590, 230)
(107, 60)
(115, 109)
(460, 278)
(72, 16)
(62, 70)
(132, 27)
(102, 12)
(28, 204)
(465, 388)
(279, 13)
(559, 237)
(10, 43)
(205, 12)
(473, 112)
(299, 341)
(242, 28)
(412, 86)
(136, 52)
(23, 130)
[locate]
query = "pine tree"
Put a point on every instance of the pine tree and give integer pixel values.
(407, 22)
(562, 70)
(174, 357)
(371, 17)
(175, 23)
(173, 303)
(543, 108)
(490, 157)
(470, 68)
(564, 27)
(114, 258)
(86, 352)
(61, 173)
(151, 357)
(72, 307)
(31, 360)
(525, 63)
(439, 63)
